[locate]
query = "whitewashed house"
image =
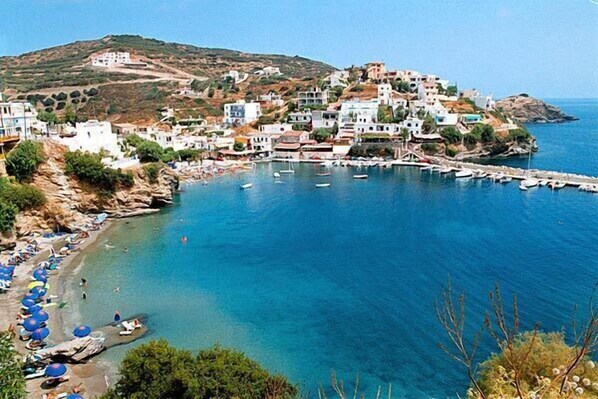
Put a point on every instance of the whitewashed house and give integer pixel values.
(337, 78)
(91, 136)
(111, 59)
(261, 143)
(484, 102)
(314, 96)
(19, 120)
(241, 112)
(385, 94)
(271, 71)
(325, 119)
(359, 111)
(275, 128)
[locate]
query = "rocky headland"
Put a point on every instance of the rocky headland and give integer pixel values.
(525, 109)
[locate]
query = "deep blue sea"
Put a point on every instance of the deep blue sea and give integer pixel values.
(307, 280)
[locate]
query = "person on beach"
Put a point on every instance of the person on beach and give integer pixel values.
(116, 316)
(83, 283)
(84, 294)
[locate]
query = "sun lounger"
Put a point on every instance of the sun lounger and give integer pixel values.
(37, 374)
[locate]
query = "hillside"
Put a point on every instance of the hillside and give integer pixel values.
(525, 109)
(57, 77)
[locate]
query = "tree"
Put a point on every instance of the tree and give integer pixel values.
(488, 135)
(451, 135)
(238, 146)
(12, 382)
(70, 116)
(400, 86)
(405, 134)
(49, 117)
(452, 90)
(149, 151)
(23, 160)
(157, 370)
(8, 212)
(321, 134)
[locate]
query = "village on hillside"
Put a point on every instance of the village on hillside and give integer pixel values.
(366, 111)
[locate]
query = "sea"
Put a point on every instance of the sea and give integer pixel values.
(313, 281)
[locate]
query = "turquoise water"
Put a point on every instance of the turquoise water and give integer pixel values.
(306, 280)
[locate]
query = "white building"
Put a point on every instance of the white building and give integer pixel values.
(235, 76)
(325, 119)
(92, 136)
(275, 128)
(446, 119)
(484, 102)
(385, 93)
(241, 112)
(359, 111)
(261, 143)
(314, 96)
(272, 98)
(271, 71)
(19, 119)
(111, 59)
(337, 78)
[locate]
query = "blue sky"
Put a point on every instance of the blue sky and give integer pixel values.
(546, 48)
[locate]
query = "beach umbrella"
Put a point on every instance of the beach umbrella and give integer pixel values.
(39, 334)
(74, 396)
(38, 284)
(31, 324)
(32, 295)
(34, 309)
(41, 315)
(39, 291)
(27, 302)
(82, 331)
(40, 273)
(55, 370)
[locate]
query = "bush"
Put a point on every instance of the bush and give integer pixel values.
(23, 196)
(430, 148)
(519, 135)
(152, 171)
(238, 146)
(8, 212)
(61, 96)
(188, 154)
(470, 139)
(488, 135)
(321, 135)
(451, 135)
(451, 151)
(133, 140)
(158, 370)
(23, 160)
(149, 151)
(89, 168)
(12, 381)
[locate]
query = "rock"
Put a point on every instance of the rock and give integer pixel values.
(525, 109)
(7, 241)
(75, 350)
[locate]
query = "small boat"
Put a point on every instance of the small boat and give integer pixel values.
(323, 174)
(557, 185)
(444, 171)
(360, 177)
(464, 173)
(505, 180)
(543, 182)
(246, 186)
(287, 171)
(323, 185)
(276, 175)
(530, 182)
(479, 174)
(496, 176)
(522, 187)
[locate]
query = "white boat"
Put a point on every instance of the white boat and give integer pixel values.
(276, 175)
(323, 174)
(557, 185)
(543, 182)
(506, 179)
(530, 182)
(245, 186)
(496, 176)
(360, 176)
(479, 174)
(444, 171)
(322, 185)
(522, 187)
(464, 173)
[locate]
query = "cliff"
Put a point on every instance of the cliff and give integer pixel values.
(69, 202)
(525, 109)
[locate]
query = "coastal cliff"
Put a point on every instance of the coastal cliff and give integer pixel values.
(69, 200)
(525, 109)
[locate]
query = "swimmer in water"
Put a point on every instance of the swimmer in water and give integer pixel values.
(117, 289)
(184, 239)
(126, 250)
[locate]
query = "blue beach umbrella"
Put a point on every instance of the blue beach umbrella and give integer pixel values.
(34, 309)
(74, 396)
(41, 315)
(39, 291)
(27, 302)
(40, 273)
(55, 370)
(31, 324)
(82, 331)
(42, 279)
(40, 334)
(32, 295)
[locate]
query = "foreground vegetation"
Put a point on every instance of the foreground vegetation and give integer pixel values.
(89, 169)
(12, 381)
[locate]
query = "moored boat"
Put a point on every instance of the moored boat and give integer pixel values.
(323, 174)
(505, 180)
(464, 173)
(444, 171)
(530, 182)
(360, 177)
(276, 175)
(479, 174)
(245, 186)
(323, 185)
(522, 187)
(556, 185)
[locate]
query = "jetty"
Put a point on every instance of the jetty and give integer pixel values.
(570, 179)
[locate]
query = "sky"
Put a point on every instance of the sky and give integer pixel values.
(547, 48)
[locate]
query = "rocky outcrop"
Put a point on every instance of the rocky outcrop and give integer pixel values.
(525, 109)
(71, 204)
(76, 350)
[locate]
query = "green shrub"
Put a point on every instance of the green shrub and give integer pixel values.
(158, 370)
(188, 154)
(488, 135)
(451, 151)
(238, 146)
(12, 381)
(149, 151)
(152, 171)
(89, 168)
(8, 212)
(356, 88)
(470, 140)
(519, 135)
(451, 135)
(23, 196)
(61, 96)
(321, 135)
(133, 140)
(430, 148)
(23, 160)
